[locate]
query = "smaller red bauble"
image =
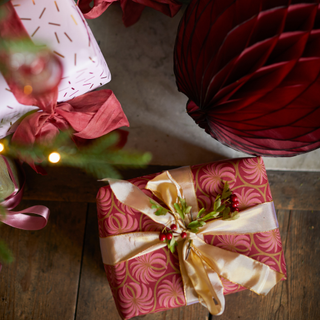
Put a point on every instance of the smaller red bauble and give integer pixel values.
(234, 197)
(169, 236)
(235, 209)
(162, 237)
(235, 204)
(173, 227)
(183, 235)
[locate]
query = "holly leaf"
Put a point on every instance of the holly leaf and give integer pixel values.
(233, 216)
(210, 215)
(226, 193)
(217, 203)
(178, 209)
(221, 208)
(188, 209)
(160, 210)
(225, 213)
(172, 244)
(193, 224)
(201, 212)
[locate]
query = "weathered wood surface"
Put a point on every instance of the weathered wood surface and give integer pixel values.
(290, 189)
(42, 282)
(58, 272)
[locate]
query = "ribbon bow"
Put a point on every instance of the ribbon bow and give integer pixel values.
(201, 264)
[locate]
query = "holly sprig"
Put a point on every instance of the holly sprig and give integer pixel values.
(182, 208)
(172, 244)
(221, 210)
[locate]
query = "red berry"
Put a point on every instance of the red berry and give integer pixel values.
(162, 237)
(173, 227)
(183, 235)
(234, 197)
(235, 209)
(169, 236)
(235, 204)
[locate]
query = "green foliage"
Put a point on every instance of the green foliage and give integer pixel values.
(226, 193)
(3, 2)
(220, 210)
(172, 244)
(5, 253)
(160, 210)
(100, 158)
(182, 208)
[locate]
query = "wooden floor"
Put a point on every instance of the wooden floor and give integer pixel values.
(58, 272)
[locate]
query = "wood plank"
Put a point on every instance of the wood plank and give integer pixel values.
(303, 260)
(291, 190)
(72, 184)
(95, 297)
(295, 190)
(42, 282)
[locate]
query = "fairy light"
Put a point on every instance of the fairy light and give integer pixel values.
(54, 157)
(27, 90)
(1, 147)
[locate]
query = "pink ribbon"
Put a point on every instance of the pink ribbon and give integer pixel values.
(22, 219)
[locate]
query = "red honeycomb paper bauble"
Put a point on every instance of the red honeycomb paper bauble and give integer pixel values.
(250, 69)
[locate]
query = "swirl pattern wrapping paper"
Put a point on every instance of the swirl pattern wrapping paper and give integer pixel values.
(61, 26)
(152, 282)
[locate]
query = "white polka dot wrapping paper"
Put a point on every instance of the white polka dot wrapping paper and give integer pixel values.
(60, 25)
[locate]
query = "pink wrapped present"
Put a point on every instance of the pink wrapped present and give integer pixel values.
(145, 277)
(61, 27)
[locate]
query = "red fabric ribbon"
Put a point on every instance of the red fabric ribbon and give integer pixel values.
(132, 9)
(91, 115)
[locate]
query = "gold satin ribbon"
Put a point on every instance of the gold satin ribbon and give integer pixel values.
(201, 264)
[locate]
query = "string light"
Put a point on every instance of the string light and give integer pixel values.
(1, 147)
(54, 157)
(27, 89)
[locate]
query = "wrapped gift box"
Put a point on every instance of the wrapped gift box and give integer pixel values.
(153, 282)
(60, 25)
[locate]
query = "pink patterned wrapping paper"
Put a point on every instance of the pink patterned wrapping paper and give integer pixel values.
(153, 283)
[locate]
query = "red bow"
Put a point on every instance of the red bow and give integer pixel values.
(91, 115)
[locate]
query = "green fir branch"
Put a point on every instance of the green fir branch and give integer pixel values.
(5, 253)
(100, 158)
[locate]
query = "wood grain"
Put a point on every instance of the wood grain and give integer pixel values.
(95, 298)
(303, 262)
(291, 190)
(42, 282)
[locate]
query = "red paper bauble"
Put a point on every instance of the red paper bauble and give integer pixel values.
(251, 71)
